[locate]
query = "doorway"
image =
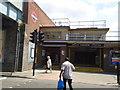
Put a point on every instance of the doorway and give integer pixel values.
(87, 59)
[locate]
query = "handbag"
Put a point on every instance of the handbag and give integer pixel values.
(60, 84)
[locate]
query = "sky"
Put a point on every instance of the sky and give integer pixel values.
(83, 10)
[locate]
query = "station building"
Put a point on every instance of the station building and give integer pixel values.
(86, 47)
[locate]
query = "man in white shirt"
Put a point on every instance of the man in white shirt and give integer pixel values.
(49, 64)
(66, 72)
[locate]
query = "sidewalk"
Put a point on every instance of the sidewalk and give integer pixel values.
(78, 77)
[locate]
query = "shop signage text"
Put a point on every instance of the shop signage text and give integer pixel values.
(87, 45)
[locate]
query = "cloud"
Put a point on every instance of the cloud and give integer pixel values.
(110, 15)
(75, 10)
(102, 2)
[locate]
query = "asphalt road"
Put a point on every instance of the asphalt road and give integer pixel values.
(41, 80)
(21, 82)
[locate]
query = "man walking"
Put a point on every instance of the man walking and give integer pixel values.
(66, 72)
(49, 64)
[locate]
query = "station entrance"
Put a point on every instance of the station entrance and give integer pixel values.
(54, 53)
(86, 59)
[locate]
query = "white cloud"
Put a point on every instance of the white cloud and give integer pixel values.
(75, 10)
(102, 2)
(110, 15)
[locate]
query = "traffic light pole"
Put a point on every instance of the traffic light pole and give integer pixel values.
(36, 39)
(34, 60)
(35, 36)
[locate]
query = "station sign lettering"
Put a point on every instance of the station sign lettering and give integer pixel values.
(87, 45)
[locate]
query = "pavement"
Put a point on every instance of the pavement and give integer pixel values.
(78, 77)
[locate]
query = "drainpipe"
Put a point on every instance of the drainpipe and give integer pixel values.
(17, 49)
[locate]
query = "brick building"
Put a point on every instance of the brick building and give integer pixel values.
(19, 19)
(34, 17)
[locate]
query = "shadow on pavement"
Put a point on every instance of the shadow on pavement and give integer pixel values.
(16, 76)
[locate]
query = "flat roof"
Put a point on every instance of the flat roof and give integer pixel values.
(92, 28)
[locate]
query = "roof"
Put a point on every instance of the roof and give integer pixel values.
(92, 28)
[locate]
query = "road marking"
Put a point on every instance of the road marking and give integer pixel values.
(1, 78)
(10, 87)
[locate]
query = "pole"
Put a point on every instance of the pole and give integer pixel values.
(34, 60)
(35, 36)
(118, 73)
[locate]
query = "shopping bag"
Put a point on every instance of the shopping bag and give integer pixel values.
(60, 84)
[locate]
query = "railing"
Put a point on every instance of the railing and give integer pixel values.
(86, 38)
(71, 37)
(112, 35)
(78, 24)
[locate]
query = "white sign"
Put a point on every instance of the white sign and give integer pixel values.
(34, 17)
(31, 52)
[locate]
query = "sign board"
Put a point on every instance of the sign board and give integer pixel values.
(34, 17)
(115, 56)
(87, 45)
(31, 52)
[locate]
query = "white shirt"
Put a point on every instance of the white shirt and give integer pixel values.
(68, 68)
(49, 63)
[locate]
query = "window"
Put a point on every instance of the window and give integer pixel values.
(52, 35)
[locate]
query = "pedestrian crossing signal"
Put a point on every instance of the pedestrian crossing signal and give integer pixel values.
(41, 37)
(33, 36)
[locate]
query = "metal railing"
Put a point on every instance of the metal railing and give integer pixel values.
(71, 37)
(78, 24)
(111, 35)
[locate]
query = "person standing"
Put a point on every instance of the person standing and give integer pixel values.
(49, 64)
(66, 72)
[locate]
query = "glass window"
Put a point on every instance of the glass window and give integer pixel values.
(13, 13)
(52, 35)
(20, 15)
(3, 8)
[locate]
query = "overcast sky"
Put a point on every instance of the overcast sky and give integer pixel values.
(82, 10)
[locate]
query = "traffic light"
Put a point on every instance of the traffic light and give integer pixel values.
(41, 37)
(33, 36)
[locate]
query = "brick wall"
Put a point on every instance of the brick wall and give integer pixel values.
(33, 18)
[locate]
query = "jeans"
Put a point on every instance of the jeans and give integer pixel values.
(69, 83)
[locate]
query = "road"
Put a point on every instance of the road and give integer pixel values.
(81, 80)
